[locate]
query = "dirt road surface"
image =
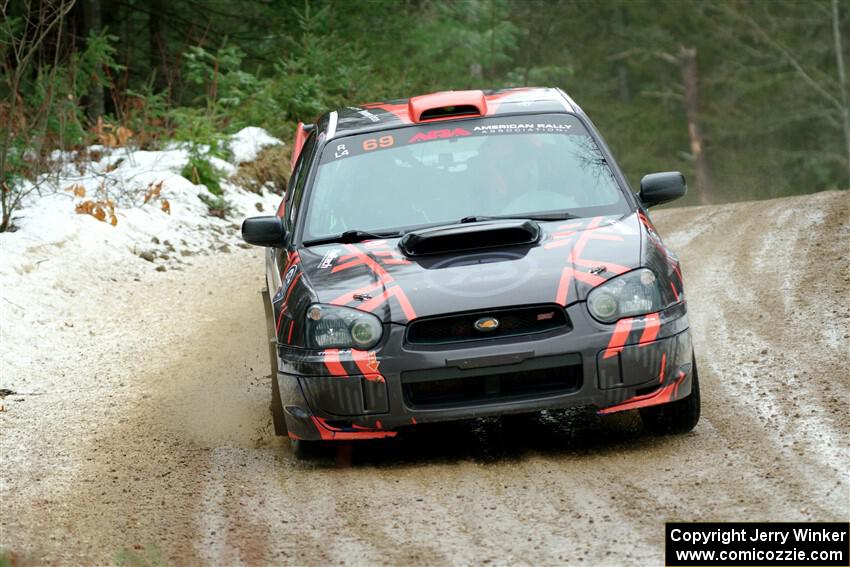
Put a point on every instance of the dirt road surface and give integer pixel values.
(154, 443)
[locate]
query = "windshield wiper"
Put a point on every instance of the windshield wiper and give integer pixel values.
(540, 217)
(350, 237)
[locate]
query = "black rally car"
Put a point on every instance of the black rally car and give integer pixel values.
(463, 254)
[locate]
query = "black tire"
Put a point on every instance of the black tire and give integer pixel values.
(278, 420)
(675, 417)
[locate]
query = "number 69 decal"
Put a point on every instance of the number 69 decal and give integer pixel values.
(375, 143)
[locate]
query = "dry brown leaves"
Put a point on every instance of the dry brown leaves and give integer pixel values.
(110, 135)
(77, 189)
(101, 207)
(154, 192)
(102, 210)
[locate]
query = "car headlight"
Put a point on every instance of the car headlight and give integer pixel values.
(332, 326)
(631, 294)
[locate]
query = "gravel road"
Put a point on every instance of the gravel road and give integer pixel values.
(154, 443)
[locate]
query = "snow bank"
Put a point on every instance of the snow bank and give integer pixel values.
(57, 255)
(247, 143)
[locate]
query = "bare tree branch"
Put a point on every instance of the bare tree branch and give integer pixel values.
(23, 50)
(842, 80)
(786, 54)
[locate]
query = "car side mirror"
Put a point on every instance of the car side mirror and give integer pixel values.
(658, 188)
(264, 231)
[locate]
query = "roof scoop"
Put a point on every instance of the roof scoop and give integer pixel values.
(466, 237)
(445, 105)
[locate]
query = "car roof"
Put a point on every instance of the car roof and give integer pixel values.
(393, 113)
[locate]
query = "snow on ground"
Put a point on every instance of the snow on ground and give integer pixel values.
(247, 143)
(58, 255)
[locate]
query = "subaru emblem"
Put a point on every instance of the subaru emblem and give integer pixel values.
(487, 324)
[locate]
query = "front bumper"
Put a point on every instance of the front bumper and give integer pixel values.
(342, 395)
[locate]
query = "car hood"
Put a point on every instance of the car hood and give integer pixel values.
(570, 258)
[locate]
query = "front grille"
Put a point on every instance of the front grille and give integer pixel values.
(451, 387)
(512, 322)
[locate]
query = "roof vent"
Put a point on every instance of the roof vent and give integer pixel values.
(449, 112)
(451, 104)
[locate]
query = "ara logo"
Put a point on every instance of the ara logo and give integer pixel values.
(289, 275)
(439, 134)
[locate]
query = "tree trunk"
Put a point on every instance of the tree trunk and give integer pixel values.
(492, 39)
(842, 82)
(92, 25)
(622, 69)
(157, 45)
(688, 65)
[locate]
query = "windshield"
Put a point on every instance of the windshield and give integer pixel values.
(439, 173)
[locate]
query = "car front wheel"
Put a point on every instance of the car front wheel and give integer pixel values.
(278, 421)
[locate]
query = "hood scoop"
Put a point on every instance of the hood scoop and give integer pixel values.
(471, 236)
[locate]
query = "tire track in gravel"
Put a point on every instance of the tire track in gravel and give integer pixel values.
(123, 462)
(759, 301)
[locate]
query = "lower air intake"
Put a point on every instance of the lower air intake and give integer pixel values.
(491, 388)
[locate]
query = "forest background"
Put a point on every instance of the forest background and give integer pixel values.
(750, 99)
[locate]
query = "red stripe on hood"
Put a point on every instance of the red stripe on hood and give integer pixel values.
(609, 266)
(396, 292)
(564, 286)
